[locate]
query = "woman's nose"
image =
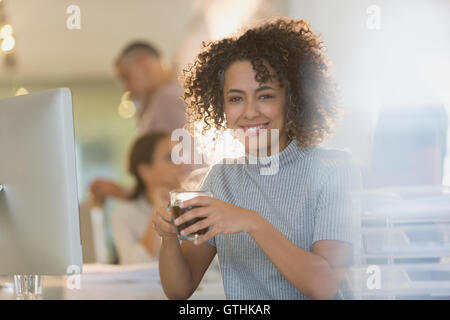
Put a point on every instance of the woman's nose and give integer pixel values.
(251, 109)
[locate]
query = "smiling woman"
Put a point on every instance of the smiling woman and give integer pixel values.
(286, 235)
(253, 107)
(284, 53)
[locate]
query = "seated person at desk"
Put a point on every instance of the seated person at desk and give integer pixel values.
(155, 174)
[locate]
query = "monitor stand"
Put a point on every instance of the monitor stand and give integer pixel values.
(28, 287)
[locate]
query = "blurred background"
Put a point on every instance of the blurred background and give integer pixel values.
(402, 60)
(391, 62)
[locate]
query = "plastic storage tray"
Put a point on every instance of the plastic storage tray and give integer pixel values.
(405, 234)
(403, 281)
(407, 241)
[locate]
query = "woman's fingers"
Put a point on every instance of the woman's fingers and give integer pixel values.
(161, 225)
(200, 225)
(194, 213)
(164, 231)
(207, 236)
(200, 201)
(165, 214)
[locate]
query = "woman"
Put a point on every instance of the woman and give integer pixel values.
(281, 236)
(151, 166)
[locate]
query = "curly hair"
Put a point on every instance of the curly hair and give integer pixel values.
(298, 58)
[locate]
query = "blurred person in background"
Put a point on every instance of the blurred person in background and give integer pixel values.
(155, 175)
(153, 88)
(156, 95)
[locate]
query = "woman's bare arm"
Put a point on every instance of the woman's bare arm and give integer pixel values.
(316, 274)
(181, 266)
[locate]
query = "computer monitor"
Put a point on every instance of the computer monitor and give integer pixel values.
(39, 222)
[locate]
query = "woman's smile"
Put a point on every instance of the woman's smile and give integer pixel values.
(254, 129)
(253, 107)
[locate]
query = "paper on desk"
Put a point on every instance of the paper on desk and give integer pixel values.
(94, 273)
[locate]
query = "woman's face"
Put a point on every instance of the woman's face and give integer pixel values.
(162, 172)
(252, 107)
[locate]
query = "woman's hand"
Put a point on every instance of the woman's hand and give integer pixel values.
(162, 222)
(102, 188)
(221, 216)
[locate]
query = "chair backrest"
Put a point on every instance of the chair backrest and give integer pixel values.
(87, 238)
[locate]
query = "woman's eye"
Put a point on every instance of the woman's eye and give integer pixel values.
(235, 99)
(266, 96)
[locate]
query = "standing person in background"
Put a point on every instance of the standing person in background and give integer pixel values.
(154, 174)
(152, 86)
(156, 94)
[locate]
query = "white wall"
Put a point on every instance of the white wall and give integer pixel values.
(405, 61)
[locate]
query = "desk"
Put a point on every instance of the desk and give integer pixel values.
(116, 284)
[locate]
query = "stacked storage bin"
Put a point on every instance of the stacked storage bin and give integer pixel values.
(404, 248)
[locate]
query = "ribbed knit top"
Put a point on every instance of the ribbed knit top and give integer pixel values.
(307, 197)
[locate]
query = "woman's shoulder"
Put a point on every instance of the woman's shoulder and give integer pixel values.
(336, 166)
(331, 158)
